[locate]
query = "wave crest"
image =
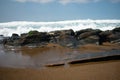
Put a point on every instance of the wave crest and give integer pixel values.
(19, 27)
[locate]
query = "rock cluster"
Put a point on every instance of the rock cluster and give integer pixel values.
(67, 38)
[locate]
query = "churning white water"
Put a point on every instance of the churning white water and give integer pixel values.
(19, 27)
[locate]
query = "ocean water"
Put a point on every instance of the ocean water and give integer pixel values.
(7, 28)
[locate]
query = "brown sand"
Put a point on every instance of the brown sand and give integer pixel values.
(98, 48)
(55, 48)
(105, 70)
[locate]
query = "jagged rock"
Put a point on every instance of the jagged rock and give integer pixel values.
(110, 35)
(86, 33)
(67, 38)
(113, 37)
(88, 36)
(35, 38)
(64, 38)
(23, 35)
(103, 36)
(89, 40)
(116, 41)
(91, 31)
(116, 29)
(1, 39)
(15, 36)
(13, 40)
(77, 33)
(116, 34)
(64, 32)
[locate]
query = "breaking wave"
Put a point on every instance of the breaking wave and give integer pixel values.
(19, 27)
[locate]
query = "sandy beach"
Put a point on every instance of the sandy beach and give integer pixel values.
(105, 70)
(59, 39)
(101, 70)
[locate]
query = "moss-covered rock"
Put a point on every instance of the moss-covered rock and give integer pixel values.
(30, 33)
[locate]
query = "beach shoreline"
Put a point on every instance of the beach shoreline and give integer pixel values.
(105, 70)
(61, 55)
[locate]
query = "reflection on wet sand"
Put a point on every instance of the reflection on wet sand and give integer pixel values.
(38, 57)
(108, 70)
(23, 57)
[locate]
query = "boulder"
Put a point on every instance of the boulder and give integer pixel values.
(15, 36)
(1, 39)
(104, 36)
(93, 39)
(33, 37)
(115, 35)
(67, 40)
(88, 36)
(63, 37)
(37, 37)
(24, 35)
(86, 33)
(13, 40)
(116, 41)
(109, 35)
(77, 33)
(64, 32)
(116, 29)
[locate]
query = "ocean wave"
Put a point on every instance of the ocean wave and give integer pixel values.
(19, 27)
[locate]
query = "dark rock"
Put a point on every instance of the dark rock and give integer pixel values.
(115, 34)
(23, 35)
(113, 37)
(67, 40)
(87, 30)
(116, 41)
(116, 29)
(64, 32)
(109, 36)
(89, 40)
(88, 36)
(103, 36)
(64, 38)
(15, 36)
(13, 40)
(77, 33)
(8, 41)
(1, 39)
(86, 33)
(106, 33)
(35, 38)
(31, 33)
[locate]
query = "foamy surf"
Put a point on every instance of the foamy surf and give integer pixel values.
(19, 27)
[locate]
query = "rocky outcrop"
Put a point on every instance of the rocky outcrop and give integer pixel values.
(13, 40)
(34, 38)
(62, 32)
(67, 38)
(87, 36)
(109, 35)
(64, 38)
(1, 39)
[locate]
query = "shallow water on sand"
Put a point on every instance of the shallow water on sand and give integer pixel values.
(12, 58)
(29, 57)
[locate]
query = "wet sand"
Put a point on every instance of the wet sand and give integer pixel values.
(105, 70)
(102, 70)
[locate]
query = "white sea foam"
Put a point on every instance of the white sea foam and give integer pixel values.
(19, 27)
